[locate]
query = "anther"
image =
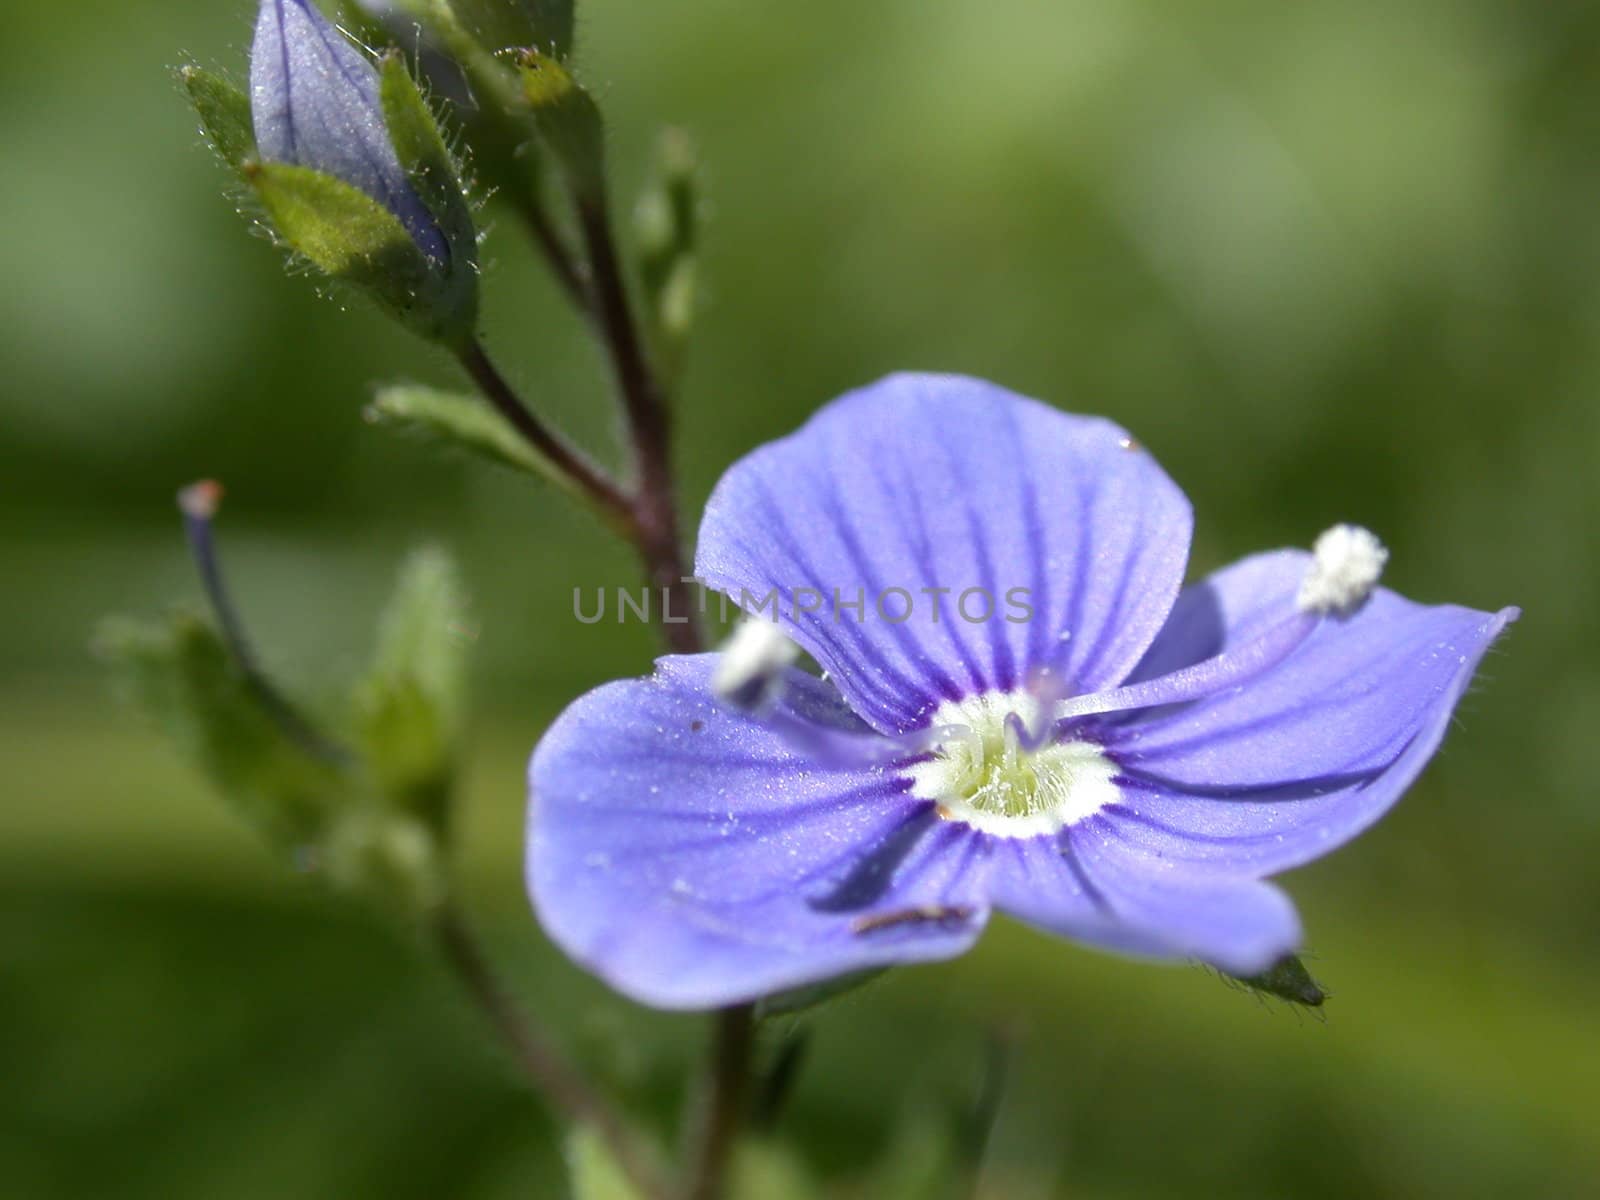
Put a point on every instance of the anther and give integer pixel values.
(749, 675)
(1348, 561)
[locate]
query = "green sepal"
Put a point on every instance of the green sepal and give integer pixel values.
(349, 236)
(224, 114)
(568, 120)
(1289, 980)
(421, 149)
(791, 1003)
(409, 704)
(453, 419)
(181, 672)
(507, 158)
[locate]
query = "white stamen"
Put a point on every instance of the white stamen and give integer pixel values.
(1349, 562)
(982, 774)
(753, 662)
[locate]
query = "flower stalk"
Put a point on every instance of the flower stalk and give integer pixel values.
(565, 459)
(723, 1100)
(538, 1058)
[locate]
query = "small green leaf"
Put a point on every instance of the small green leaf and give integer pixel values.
(457, 420)
(422, 152)
(181, 672)
(409, 705)
(224, 113)
(568, 120)
(594, 1172)
(1288, 980)
(788, 1004)
(424, 631)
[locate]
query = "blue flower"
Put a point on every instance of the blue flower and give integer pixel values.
(1109, 758)
(314, 102)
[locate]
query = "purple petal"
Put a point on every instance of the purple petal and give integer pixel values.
(923, 481)
(314, 100)
(1283, 769)
(692, 858)
(1087, 885)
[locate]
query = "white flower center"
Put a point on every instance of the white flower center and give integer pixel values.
(982, 774)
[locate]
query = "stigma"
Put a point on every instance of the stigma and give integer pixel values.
(985, 772)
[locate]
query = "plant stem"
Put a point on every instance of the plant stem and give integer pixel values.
(556, 254)
(541, 1062)
(722, 1104)
(645, 405)
(593, 483)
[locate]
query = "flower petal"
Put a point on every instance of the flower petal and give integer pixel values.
(692, 858)
(1086, 885)
(932, 481)
(1283, 769)
(314, 102)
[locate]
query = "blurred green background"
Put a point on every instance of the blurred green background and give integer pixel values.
(1329, 261)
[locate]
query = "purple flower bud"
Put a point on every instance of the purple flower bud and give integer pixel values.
(314, 101)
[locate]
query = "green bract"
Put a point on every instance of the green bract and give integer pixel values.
(459, 420)
(180, 671)
(408, 707)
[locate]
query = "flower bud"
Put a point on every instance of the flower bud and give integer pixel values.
(351, 169)
(314, 99)
(666, 225)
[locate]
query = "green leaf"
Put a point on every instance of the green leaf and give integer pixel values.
(224, 113)
(595, 1173)
(409, 705)
(181, 672)
(454, 419)
(1288, 980)
(422, 152)
(568, 120)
